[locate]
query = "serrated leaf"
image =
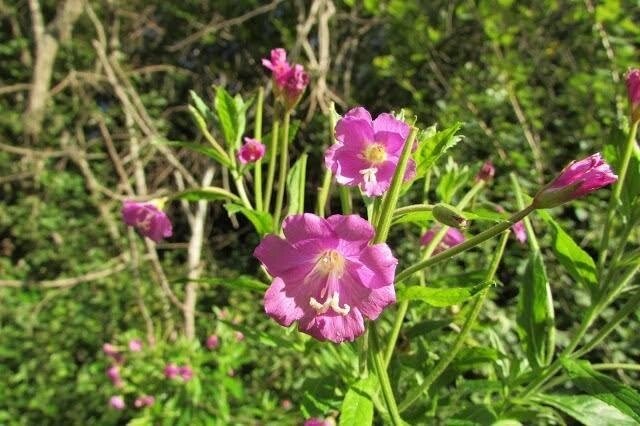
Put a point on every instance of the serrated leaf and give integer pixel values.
(431, 146)
(578, 263)
(357, 406)
(228, 117)
(296, 179)
(610, 391)
(261, 221)
(440, 297)
(209, 193)
(587, 409)
(535, 313)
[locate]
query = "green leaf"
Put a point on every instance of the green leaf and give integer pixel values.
(200, 105)
(295, 185)
(535, 313)
(243, 281)
(420, 218)
(431, 146)
(200, 149)
(613, 393)
(587, 409)
(228, 117)
(440, 297)
(262, 221)
(578, 263)
(209, 193)
(357, 406)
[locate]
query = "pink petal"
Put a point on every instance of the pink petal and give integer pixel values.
(351, 228)
(305, 226)
(346, 166)
(354, 133)
(334, 327)
(358, 112)
(370, 302)
(283, 260)
(393, 142)
(375, 266)
(283, 303)
(387, 123)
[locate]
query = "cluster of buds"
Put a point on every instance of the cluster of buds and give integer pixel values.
(172, 371)
(289, 81)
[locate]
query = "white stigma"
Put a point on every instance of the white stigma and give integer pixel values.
(332, 302)
(369, 175)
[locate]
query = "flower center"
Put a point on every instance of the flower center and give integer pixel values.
(330, 262)
(374, 153)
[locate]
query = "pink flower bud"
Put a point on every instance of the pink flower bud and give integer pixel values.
(579, 178)
(296, 82)
(148, 219)
(213, 342)
(186, 373)
(135, 345)
(144, 401)
(171, 371)
(320, 422)
(109, 349)
(251, 151)
(239, 336)
(519, 232)
(286, 404)
(633, 91)
(113, 373)
(487, 171)
(117, 402)
(278, 65)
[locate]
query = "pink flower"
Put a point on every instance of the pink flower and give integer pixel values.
(368, 151)
(113, 373)
(171, 371)
(296, 81)
(327, 276)
(148, 219)
(487, 171)
(278, 65)
(579, 178)
(286, 404)
(519, 232)
(239, 336)
(186, 373)
(251, 151)
(213, 342)
(135, 345)
(112, 351)
(453, 237)
(144, 401)
(633, 91)
(117, 402)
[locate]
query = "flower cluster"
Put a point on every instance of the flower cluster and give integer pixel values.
(289, 81)
(173, 371)
(117, 402)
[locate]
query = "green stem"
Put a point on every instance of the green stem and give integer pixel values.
(466, 245)
(414, 208)
(271, 171)
(239, 182)
(450, 355)
(284, 168)
(616, 366)
(257, 134)
(391, 199)
(345, 199)
(383, 378)
(323, 195)
(617, 191)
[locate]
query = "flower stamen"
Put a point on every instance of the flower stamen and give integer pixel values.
(332, 302)
(374, 153)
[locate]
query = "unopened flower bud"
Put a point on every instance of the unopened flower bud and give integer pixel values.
(487, 171)
(449, 215)
(579, 178)
(633, 91)
(117, 402)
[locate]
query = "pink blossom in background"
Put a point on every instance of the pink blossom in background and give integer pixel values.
(113, 373)
(286, 404)
(296, 81)
(487, 171)
(171, 371)
(252, 151)
(239, 336)
(135, 345)
(519, 232)
(148, 219)
(453, 237)
(111, 351)
(327, 275)
(144, 401)
(186, 373)
(633, 91)
(213, 342)
(367, 151)
(278, 65)
(117, 402)
(579, 178)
